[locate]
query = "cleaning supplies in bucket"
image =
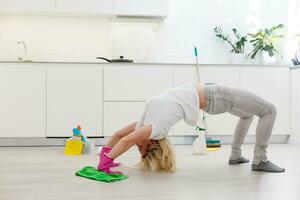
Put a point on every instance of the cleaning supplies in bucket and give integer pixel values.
(210, 143)
(77, 144)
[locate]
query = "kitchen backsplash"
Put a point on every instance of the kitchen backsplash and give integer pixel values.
(190, 23)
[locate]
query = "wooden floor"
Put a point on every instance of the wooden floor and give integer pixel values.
(44, 173)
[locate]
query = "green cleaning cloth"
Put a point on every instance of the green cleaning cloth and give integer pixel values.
(93, 173)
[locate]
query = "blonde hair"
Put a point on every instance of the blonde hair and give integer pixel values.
(160, 157)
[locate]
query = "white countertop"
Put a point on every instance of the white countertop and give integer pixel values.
(179, 64)
(295, 67)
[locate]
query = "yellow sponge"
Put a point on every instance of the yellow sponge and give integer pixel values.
(73, 147)
(212, 149)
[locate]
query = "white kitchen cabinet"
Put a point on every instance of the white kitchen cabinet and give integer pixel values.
(142, 7)
(23, 102)
(111, 8)
(39, 6)
(119, 114)
(226, 76)
(74, 96)
(222, 124)
(295, 104)
(85, 6)
(41, 100)
(135, 83)
(272, 84)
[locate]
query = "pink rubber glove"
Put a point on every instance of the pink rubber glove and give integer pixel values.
(106, 149)
(105, 164)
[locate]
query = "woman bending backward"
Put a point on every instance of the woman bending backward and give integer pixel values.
(163, 111)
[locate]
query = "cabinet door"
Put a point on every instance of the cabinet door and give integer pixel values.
(119, 114)
(74, 96)
(273, 85)
(135, 83)
(295, 105)
(27, 5)
(85, 6)
(222, 124)
(141, 7)
(23, 102)
(224, 76)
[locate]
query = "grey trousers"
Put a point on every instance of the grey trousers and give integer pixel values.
(245, 105)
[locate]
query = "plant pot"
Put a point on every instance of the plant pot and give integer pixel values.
(268, 59)
(260, 58)
(237, 58)
(279, 59)
(263, 58)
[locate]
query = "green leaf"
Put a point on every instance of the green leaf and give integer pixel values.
(237, 35)
(254, 40)
(271, 53)
(254, 53)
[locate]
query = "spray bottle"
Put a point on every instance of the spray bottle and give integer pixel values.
(199, 144)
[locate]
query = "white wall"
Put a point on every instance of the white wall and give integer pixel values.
(189, 23)
(295, 106)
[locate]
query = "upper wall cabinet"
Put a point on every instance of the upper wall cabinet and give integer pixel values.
(27, 6)
(142, 8)
(85, 6)
(154, 9)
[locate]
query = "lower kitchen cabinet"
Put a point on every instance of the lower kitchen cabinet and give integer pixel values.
(119, 114)
(23, 100)
(74, 96)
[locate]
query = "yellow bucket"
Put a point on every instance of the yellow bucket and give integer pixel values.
(73, 147)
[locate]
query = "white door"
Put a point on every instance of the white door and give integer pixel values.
(119, 114)
(27, 5)
(222, 124)
(23, 102)
(74, 96)
(273, 85)
(85, 6)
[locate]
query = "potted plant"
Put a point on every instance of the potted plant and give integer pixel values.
(263, 42)
(296, 59)
(237, 47)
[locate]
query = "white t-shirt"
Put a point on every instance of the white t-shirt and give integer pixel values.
(164, 110)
